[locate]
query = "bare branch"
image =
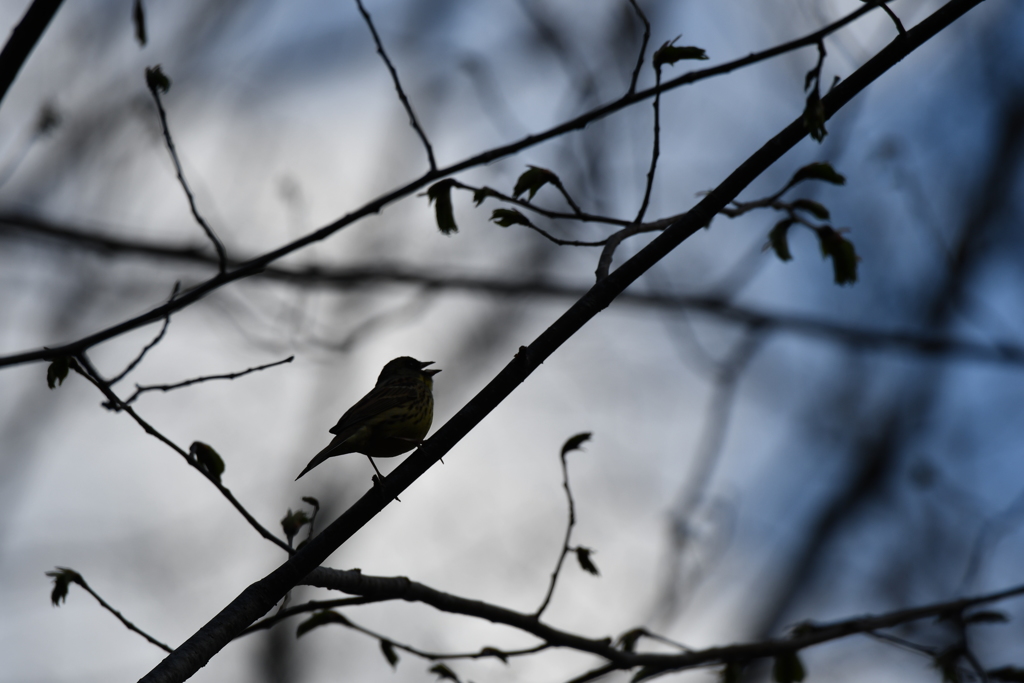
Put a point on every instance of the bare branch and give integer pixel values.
(398, 87)
(23, 38)
(643, 46)
(655, 147)
(222, 257)
(196, 380)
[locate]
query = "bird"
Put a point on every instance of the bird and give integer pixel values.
(390, 420)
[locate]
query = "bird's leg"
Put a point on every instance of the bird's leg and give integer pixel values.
(379, 475)
(379, 479)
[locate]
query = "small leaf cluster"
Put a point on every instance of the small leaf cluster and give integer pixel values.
(63, 577)
(831, 240)
(293, 522)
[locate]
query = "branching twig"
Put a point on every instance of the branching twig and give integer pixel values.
(311, 606)
(222, 257)
(85, 369)
(141, 389)
(892, 15)
(398, 87)
(643, 46)
(804, 635)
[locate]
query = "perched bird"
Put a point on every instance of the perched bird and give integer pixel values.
(390, 420)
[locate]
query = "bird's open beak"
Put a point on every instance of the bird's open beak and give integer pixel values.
(431, 372)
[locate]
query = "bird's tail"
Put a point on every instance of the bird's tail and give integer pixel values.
(318, 458)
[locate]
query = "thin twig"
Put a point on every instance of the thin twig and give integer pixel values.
(141, 389)
(483, 653)
(398, 87)
(892, 15)
(566, 548)
(85, 368)
(222, 257)
(311, 606)
(655, 148)
(643, 46)
(77, 578)
(150, 345)
(577, 215)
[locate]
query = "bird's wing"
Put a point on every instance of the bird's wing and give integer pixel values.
(380, 400)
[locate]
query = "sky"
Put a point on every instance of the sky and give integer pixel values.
(738, 480)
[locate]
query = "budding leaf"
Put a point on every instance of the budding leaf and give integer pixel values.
(62, 578)
(57, 372)
(812, 207)
(575, 442)
(788, 668)
(319, 619)
(440, 194)
(507, 217)
(480, 195)
(207, 459)
(777, 239)
(534, 179)
(583, 557)
(388, 648)
(139, 19)
(670, 53)
(312, 501)
(821, 170)
(841, 251)
(814, 117)
(157, 80)
(444, 673)
(293, 523)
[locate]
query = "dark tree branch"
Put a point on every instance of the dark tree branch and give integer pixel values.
(83, 367)
(23, 38)
(262, 595)
(260, 263)
(803, 635)
(196, 380)
(222, 257)
(398, 88)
